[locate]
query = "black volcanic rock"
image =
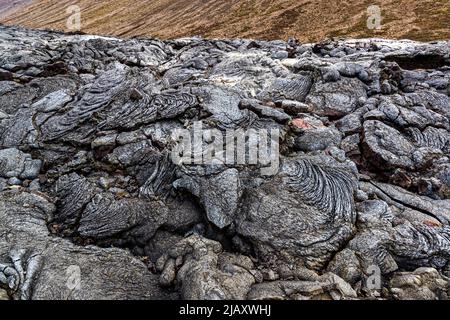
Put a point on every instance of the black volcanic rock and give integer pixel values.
(91, 194)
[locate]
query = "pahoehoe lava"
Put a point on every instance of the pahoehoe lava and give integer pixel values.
(87, 180)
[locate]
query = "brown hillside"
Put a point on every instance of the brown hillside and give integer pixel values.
(308, 20)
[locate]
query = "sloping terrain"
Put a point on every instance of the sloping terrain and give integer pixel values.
(97, 202)
(7, 6)
(261, 19)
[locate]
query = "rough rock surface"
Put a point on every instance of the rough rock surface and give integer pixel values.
(92, 204)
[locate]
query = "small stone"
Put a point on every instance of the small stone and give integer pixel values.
(307, 123)
(330, 75)
(119, 192)
(292, 107)
(32, 169)
(270, 275)
(135, 95)
(265, 111)
(362, 101)
(169, 274)
(386, 87)
(3, 115)
(280, 55)
(15, 163)
(4, 295)
(337, 153)
(259, 278)
(35, 185)
(351, 144)
(6, 76)
(349, 124)
(105, 183)
(3, 184)
(401, 178)
(14, 181)
(361, 196)
(108, 140)
(364, 76)
(317, 139)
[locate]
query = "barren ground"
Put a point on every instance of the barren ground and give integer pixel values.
(263, 19)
